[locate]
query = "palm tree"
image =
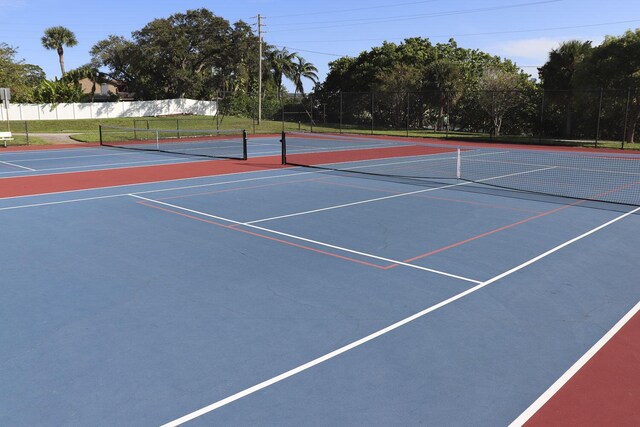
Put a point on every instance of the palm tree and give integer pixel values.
(282, 65)
(55, 38)
(303, 69)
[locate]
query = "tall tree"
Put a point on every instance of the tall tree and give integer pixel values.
(55, 38)
(558, 75)
(615, 64)
(193, 54)
(444, 82)
(303, 70)
(498, 94)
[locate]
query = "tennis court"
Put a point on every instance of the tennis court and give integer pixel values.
(431, 289)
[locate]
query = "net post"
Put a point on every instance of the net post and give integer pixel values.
(157, 140)
(458, 165)
(100, 131)
(283, 143)
(244, 145)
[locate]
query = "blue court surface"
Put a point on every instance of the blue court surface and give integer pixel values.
(297, 297)
(65, 160)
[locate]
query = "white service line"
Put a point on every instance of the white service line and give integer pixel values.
(17, 166)
(303, 239)
(44, 159)
(377, 199)
(381, 332)
(82, 167)
(555, 387)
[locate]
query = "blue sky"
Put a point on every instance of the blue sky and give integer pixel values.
(522, 30)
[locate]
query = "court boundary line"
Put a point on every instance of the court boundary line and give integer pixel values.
(161, 182)
(292, 236)
(158, 162)
(370, 337)
(574, 369)
(120, 153)
(16, 166)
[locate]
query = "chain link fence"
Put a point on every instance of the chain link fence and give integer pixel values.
(587, 117)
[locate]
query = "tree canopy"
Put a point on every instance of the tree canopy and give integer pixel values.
(17, 75)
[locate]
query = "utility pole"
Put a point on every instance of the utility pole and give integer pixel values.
(259, 68)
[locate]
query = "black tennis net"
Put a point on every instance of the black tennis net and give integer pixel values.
(603, 176)
(224, 144)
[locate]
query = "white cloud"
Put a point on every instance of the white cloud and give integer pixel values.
(536, 51)
(530, 49)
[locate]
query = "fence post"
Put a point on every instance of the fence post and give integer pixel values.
(311, 112)
(218, 110)
(447, 121)
(372, 112)
(340, 112)
(178, 127)
(407, 112)
(626, 118)
(541, 133)
(26, 130)
(599, 114)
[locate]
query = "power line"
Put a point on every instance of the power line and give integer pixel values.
(475, 34)
(365, 21)
(310, 51)
(333, 11)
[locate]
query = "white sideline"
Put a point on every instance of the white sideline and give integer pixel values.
(381, 332)
(555, 387)
(18, 166)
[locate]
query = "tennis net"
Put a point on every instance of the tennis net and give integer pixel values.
(224, 144)
(612, 177)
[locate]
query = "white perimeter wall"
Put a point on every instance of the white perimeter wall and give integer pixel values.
(105, 110)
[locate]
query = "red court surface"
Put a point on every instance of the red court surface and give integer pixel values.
(605, 391)
(41, 184)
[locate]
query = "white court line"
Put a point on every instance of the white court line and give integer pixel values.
(84, 199)
(381, 332)
(42, 159)
(17, 166)
(551, 391)
(377, 199)
(303, 239)
(58, 150)
(157, 161)
(361, 202)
